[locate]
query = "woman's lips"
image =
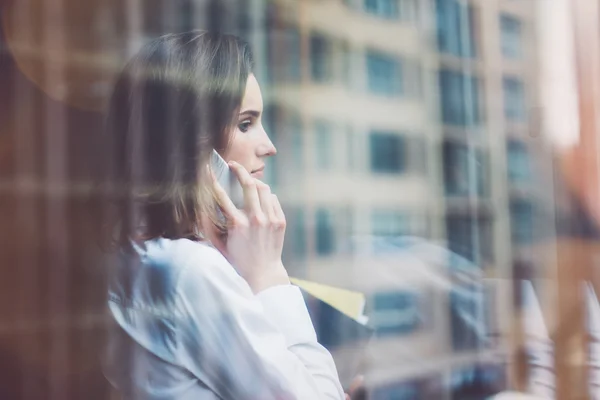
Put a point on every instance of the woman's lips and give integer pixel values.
(258, 173)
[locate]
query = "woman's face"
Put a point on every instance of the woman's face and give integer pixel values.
(250, 144)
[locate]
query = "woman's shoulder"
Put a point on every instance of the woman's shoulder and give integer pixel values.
(174, 256)
(158, 269)
(192, 274)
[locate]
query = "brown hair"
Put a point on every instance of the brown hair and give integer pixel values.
(174, 102)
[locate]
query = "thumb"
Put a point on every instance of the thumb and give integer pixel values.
(356, 384)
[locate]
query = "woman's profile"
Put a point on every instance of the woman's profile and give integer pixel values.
(202, 305)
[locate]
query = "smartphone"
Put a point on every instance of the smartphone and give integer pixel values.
(227, 179)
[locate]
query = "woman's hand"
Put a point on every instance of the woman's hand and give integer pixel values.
(255, 236)
(357, 389)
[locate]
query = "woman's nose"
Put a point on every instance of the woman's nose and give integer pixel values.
(267, 147)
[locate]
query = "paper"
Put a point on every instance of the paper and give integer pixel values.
(346, 301)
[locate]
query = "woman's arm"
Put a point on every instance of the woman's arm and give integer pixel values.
(246, 346)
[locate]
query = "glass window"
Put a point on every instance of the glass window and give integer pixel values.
(387, 152)
(389, 223)
(510, 36)
(296, 133)
(461, 178)
(514, 99)
(460, 98)
(284, 55)
(323, 141)
(295, 245)
(325, 235)
(456, 28)
(518, 162)
(521, 221)
(409, 10)
(384, 74)
(350, 153)
(470, 236)
(298, 233)
(347, 64)
(478, 382)
(382, 8)
(320, 58)
(394, 312)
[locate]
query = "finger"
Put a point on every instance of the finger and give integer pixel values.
(277, 210)
(356, 384)
(266, 200)
(251, 199)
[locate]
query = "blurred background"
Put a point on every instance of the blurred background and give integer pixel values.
(471, 125)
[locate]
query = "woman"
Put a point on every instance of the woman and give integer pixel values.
(202, 303)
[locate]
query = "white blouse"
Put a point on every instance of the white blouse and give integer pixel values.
(187, 326)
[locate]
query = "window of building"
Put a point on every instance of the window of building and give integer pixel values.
(284, 55)
(514, 99)
(465, 317)
(346, 64)
(518, 162)
(521, 222)
(298, 232)
(387, 152)
(347, 215)
(320, 58)
(325, 234)
(470, 236)
(389, 223)
(350, 148)
(460, 98)
(465, 170)
(511, 36)
(409, 10)
(296, 133)
(455, 28)
(323, 142)
(383, 8)
(384, 74)
(481, 381)
(394, 312)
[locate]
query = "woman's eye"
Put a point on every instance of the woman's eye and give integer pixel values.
(244, 126)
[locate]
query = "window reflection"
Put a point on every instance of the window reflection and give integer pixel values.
(460, 98)
(387, 152)
(511, 36)
(456, 28)
(514, 99)
(384, 73)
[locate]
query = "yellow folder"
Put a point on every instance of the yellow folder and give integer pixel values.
(346, 301)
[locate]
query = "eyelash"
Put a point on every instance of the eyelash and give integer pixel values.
(245, 125)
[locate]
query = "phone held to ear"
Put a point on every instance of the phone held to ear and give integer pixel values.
(227, 179)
